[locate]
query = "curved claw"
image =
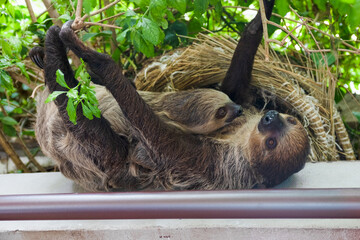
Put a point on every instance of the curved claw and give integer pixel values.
(36, 55)
(67, 24)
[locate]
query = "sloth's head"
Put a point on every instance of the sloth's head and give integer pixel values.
(277, 147)
(205, 110)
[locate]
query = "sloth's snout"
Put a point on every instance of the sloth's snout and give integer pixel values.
(271, 121)
(235, 111)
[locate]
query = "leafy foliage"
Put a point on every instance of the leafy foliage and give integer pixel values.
(83, 94)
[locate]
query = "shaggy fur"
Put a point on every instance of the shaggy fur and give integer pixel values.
(166, 141)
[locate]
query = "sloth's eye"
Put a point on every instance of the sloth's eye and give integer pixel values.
(221, 113)
(291, 120)
(271, 143)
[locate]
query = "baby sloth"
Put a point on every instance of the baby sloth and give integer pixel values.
(182, 140)
(199, 111)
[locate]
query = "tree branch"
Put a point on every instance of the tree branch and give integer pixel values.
(31, 11)
(52, 12)
(264, 22)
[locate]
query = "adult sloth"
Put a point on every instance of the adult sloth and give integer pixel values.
(144, 150)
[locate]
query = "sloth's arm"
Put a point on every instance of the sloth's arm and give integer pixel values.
(238, 76)
(96, 132)
(159, 140)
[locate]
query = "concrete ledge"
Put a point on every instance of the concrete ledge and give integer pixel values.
(314, 175)
(342, 174)
(284, 229)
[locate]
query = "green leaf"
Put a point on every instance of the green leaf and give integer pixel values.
(22, 68)
(15, 43)
(79, 69)
(91, 97)
(178, 5)
(6, 81)
(73, 93)
(8, 121)
(95, 110)
(354, 16)
(150, 30)
(282, 6)
(141, 44)
(122, 37)
(348, 1)
(10, 9)
(105, 33)
(65, 17)
(60, 79)
(71, 109)
(87, 5)
(319, 60)
(9, 130)
(321, 4)
(200, 6)
(87, 112)
(53, 96)
(6, 48)
(357, 115)
(142, 3)
(130, 13)
(157, 10)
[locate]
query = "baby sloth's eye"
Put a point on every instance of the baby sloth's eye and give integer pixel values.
(221, 113)
(271, 143)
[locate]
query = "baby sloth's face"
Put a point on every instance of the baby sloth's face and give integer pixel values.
(278, 147)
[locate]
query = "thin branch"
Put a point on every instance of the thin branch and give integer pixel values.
(116, 15)
(79, 9)
(23, 145)
(100, 10)
(52, 12)
(265, 31)
(31, 11)
(353, 49)
(101, 24)
(10, 151)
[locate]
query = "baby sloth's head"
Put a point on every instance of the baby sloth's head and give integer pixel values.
(277, 147)
(200, 111)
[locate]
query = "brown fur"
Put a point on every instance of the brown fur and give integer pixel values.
(160, 141)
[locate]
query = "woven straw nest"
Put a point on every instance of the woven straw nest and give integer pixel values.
(302, 88)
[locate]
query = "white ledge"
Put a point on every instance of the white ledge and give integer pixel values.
(340, 174)
(314, 175)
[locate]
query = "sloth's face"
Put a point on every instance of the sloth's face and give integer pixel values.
(278, 147)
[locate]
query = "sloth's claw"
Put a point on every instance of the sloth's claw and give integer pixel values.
(36, 55)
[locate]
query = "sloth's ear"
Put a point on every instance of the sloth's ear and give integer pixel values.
(238, 76)
(37, 55)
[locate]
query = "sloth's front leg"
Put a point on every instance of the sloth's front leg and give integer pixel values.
(238, 76)
(159, 140)
(96, 137)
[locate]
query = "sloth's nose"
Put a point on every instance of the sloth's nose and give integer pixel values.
(271, 121)
(236, 111)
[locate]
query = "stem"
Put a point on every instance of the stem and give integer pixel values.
(101, 24)
(265, 31)
(79, 7)
(31, 11)
(23, 145)
(52, 12)
(100, 10)
(8, 148)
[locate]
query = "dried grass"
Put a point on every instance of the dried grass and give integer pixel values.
(303, 87)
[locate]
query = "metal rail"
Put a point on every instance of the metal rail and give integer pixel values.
(285, 203)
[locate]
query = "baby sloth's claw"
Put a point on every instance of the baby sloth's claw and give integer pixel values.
(67, 24)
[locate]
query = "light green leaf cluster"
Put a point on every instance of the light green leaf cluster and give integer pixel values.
(83, 94)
